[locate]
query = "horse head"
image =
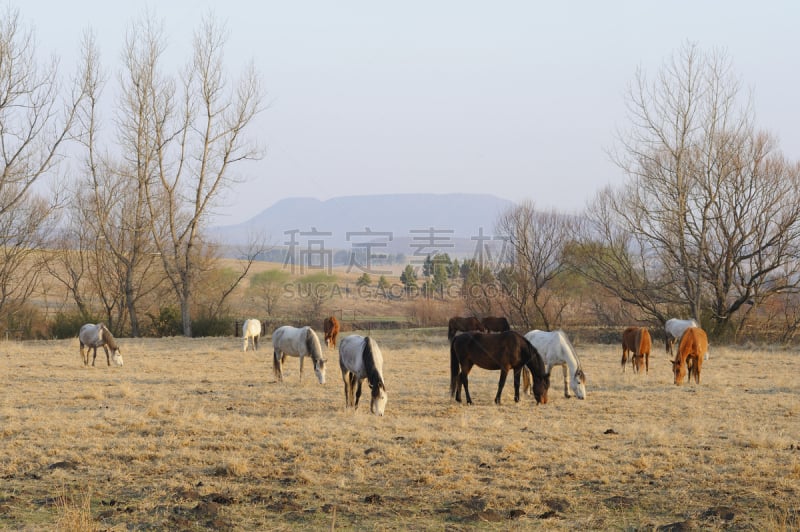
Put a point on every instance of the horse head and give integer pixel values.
(678, 370)
(540, 387)
(319, 369)
(116, 356)
(578, 383)
(379, 397)
(638, 362)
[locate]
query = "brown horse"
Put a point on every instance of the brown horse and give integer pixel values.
(331, 328)
(504, 351)
(492, 324)
(693, 346)
(636, 340)
(463, 324)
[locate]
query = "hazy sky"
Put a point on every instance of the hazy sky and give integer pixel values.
(515, 98)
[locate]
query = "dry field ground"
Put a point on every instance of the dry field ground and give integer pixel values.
(193, 434)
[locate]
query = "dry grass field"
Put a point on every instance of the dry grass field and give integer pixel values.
(192, 434)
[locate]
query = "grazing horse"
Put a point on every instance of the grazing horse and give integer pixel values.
(331, 328)
(504, 351)
(693, 346)
(556, 350)
(360, 358)
(636, 340)
(92, 336)
(297, 342)
(492, 324)
(251, 329)
(673, 330)
(464, 325)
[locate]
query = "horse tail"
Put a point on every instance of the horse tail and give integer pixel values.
(277, 355)
(455, 368)
(276, 364)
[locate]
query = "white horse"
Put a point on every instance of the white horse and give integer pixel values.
(251, 329)
(297, 342)
(92, 336)
(556, 350)
(674, 329)
(360, 358)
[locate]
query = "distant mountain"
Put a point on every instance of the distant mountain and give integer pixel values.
(396, 223)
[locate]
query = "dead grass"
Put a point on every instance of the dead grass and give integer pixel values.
(193, 434)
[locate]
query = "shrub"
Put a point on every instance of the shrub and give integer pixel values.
(67, 324)
(167, 323)
(216, 326)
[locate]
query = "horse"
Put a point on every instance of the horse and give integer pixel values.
(297, 342)
(331, 328)
(556, 350)
(251, 329)
(673, 330)
(92, 336)
(693, 346)
(504, 351)
(492, 324)
(360, 358)
(636, 340)
(464, 325)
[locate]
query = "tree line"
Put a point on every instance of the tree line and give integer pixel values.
(705, 225)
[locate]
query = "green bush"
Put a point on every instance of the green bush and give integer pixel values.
(67, 324)
(167, 323)
(205, 326)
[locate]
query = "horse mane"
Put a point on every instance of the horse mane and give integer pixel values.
(108, 338)
(312, 345)
(572, 351)
(536, 359)
(373, 375)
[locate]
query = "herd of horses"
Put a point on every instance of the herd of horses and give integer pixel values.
(488, 343)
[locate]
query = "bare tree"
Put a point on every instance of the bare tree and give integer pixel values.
(709, 214)
(195, 137)
(537, 240)
(35, 123)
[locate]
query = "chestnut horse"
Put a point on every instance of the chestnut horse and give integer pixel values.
(504, 351)
(693, 346)
(463, 324)
(331, 328)
(636, 340)
(492, 324)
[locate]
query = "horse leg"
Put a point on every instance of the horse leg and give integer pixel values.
(503, 375)
(566, 381)
(255, 343)
(358, 391)
(108, 360)
(624, 357)
(85, 354)
(647, 363)
(517, 374)
(301, 368)
(465, 368)
(94, 355)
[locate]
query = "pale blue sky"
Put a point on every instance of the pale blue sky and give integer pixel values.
(518, 99)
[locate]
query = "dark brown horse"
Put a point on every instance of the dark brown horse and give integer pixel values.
(637, 342)
(463, 324)
(331, 328)
(504, 351)
(492, 324)
(692, 349)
